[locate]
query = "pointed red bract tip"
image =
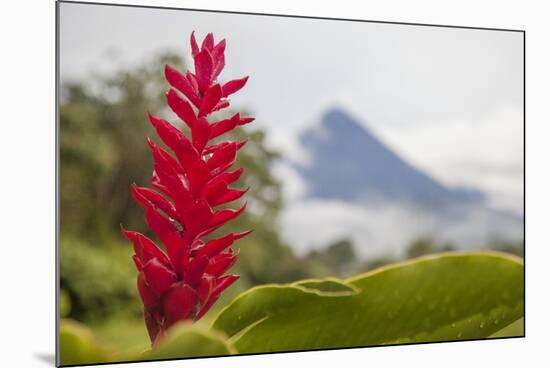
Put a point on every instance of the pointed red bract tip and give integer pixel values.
(233, 86)
(194, 45)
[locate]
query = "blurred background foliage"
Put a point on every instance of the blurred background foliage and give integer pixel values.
(103, 150)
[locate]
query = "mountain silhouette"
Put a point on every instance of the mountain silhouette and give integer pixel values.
(348, 162)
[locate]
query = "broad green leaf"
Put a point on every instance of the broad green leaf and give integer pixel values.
(512, 330)
(452, 296)
(185, 340)
(327, 286)
(77, 345)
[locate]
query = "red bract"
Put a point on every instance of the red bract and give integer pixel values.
(185, 281)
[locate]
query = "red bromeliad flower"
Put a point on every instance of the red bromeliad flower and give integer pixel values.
(184, 282)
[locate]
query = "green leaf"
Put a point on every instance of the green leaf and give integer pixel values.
(512, 330)
(452, 296)
(327, 286)
(77, 345)
(185, 340)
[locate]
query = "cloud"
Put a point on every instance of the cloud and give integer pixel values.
(287, 142)
(388, 228)
(484, 153)
(294, 187)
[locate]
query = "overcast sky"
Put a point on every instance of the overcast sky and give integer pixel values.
(448, 100)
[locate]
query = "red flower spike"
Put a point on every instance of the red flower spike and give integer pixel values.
(244, 121)
(194, 45)
(221, 105)
(224, 282)
(195, 269)
(230, 195)
(147, 197)
(208, 42)
(220, 127)
(233, 86)
(182, 84)
(159, 277)
(210, 100)
(205, 288)
(152, 325)
(149, 299)
(221, 263)
(223, 157)
(200, 133)
(144, 248)
(218, 54)
(137, 262)
(179, 302)
(194, 84)
(221, 217)
(184, 282)
(204, 66)
(216, 147)
(181, 108)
